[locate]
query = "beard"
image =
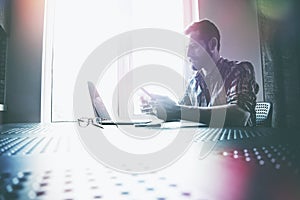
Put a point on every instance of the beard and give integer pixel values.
(197, 66)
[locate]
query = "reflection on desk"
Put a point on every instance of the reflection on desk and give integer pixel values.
(41, 161)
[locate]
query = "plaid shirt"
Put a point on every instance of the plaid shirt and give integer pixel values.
(236, 85)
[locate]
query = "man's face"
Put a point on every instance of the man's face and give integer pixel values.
(197, 51)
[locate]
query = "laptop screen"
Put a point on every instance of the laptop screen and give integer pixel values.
(97, 103)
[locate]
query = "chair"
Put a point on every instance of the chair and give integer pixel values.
(263, 114)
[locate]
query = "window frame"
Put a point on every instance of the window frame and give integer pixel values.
(190, 13)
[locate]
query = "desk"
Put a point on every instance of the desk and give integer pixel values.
(41, 161)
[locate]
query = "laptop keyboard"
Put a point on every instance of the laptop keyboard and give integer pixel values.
(37, 139)
(35, 145)
(63, 180)
(27, 129)
(225, 134)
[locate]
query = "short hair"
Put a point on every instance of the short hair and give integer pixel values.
(207, 30)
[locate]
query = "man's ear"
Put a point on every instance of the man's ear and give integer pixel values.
(213, 44)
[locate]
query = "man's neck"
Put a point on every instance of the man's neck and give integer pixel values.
(215, 57)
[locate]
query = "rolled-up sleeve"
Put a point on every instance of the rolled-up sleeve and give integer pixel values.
(243, 88)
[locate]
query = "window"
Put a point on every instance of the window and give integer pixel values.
(74, 28)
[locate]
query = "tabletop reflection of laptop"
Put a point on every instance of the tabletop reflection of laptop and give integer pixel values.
(101, 111)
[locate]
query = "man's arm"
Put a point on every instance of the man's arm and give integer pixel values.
(232, 115)
(228, 114)
(241, 99)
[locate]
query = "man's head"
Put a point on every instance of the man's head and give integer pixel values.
(206, 34)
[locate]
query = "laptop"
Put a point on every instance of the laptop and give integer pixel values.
(101, 112)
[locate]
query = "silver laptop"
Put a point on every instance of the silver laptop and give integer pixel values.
(101, 111)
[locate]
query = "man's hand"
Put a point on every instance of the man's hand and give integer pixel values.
(165, 108)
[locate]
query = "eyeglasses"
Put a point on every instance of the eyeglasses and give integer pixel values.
(84, 122)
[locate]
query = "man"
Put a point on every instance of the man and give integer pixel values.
(224, 89)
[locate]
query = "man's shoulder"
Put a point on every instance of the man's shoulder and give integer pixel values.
(246, 66)
(238, 66)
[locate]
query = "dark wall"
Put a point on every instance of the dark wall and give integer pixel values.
(279, 31)
(24, 61)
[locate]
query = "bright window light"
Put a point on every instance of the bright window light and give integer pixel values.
(79, 26)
